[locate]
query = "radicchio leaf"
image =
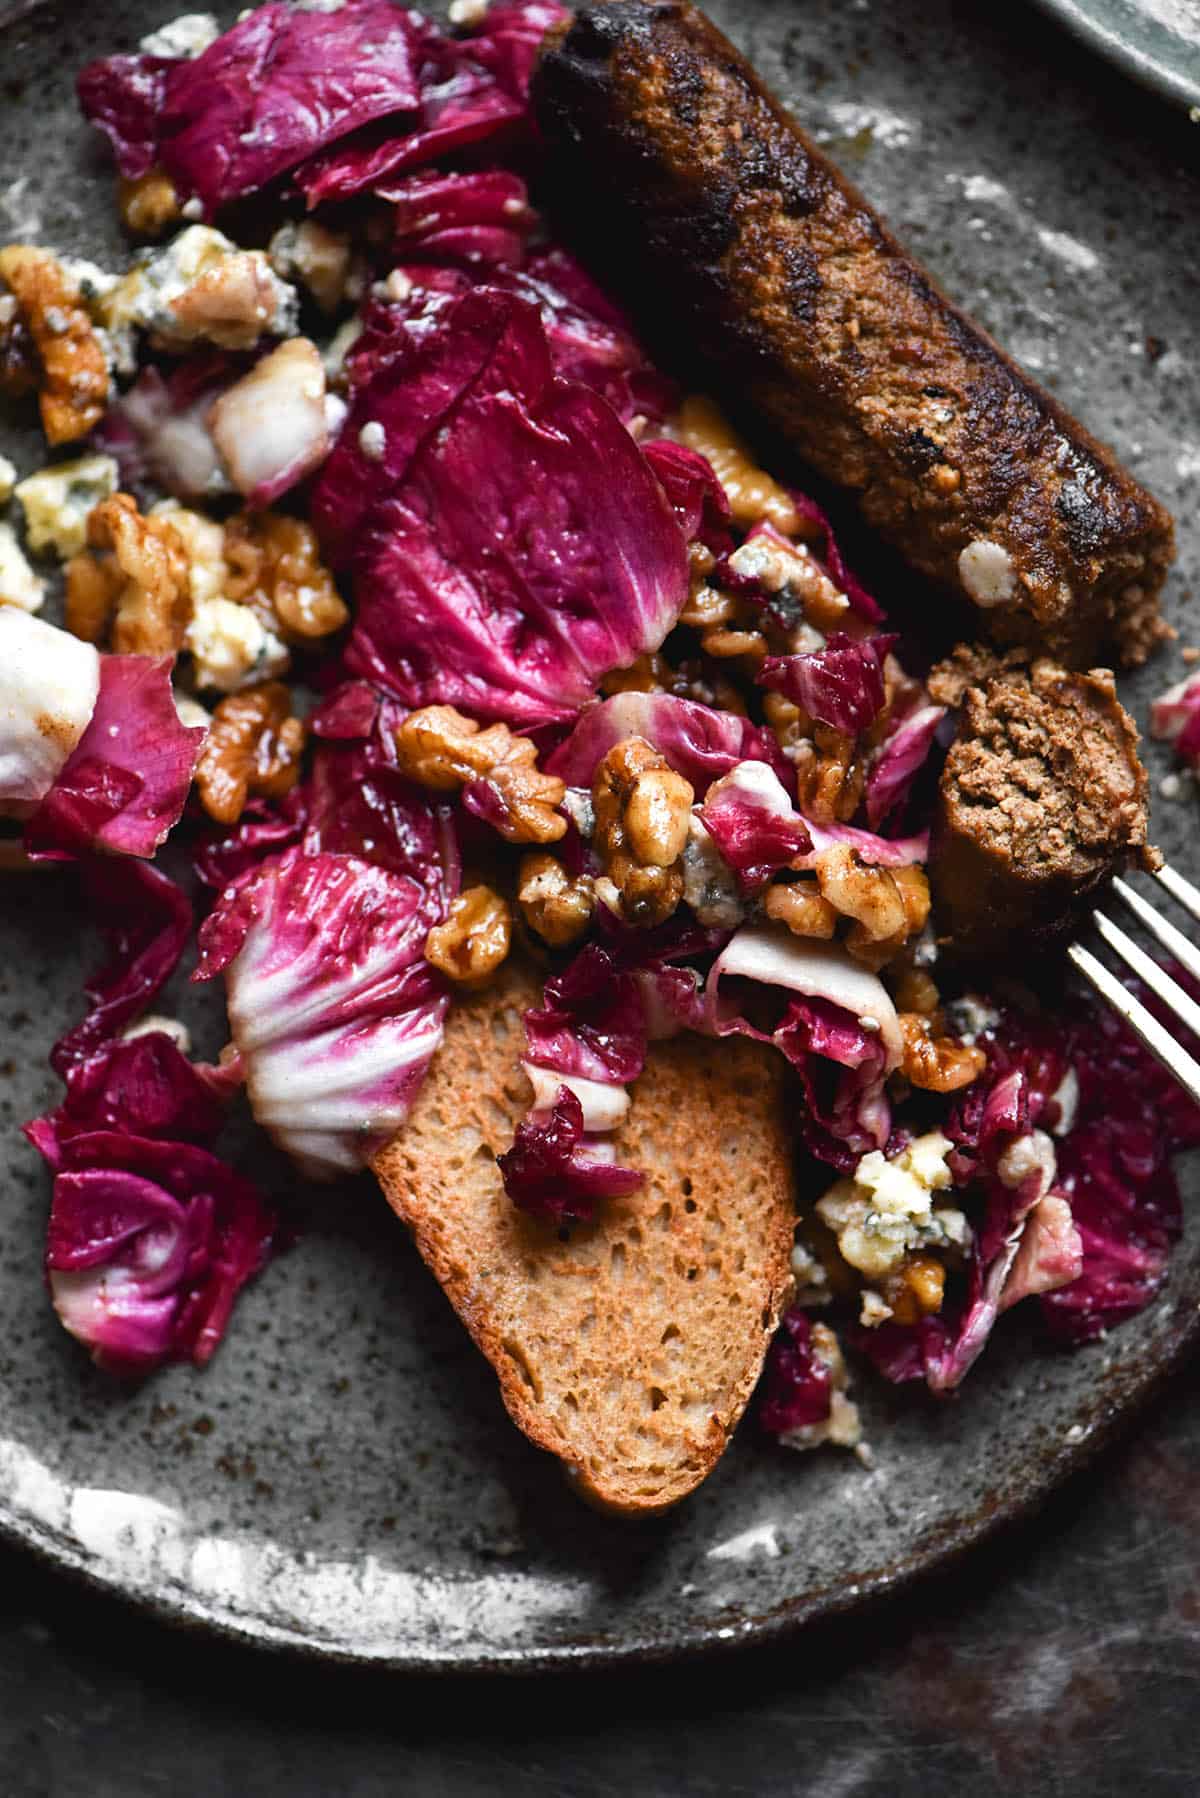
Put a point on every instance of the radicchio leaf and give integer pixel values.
(900, 759)
(147, 921)
(750, 818)
(139, 1086)
(148, 1245)
(690, 483)
(332, 1005)
(797, 1384)
(479, 218)
(555, 1171)
(1175, 718)
(840, 685)
(524, 551)
(472, 90)
(281, 85)
(124, 786)
(698, 742)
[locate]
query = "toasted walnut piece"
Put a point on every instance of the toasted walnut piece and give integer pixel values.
(74, 368)
(915, 1289)
(699, 681)
(937, 1064)
(868, 896)
(19, 368)
(475, 939)
(439, 748)
(643, 814)
(708, 607)
(802, 909)
(93, 584)
(724, 644)
(149, 204)
(649, 674)
(145, 564)
(830, 777)
(658, 812)
(276, 569)
(753, 494)
(915, 991)
(789, 723)
(555, 906)
(253, 748)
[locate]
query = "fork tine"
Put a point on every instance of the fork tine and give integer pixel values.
(1171, 939)
(1180, 889)
(1158, 1040)
(1147, 969)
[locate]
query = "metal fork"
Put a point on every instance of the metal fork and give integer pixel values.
(1156, 1037)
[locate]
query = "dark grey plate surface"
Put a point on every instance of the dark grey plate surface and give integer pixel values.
(1155, 41)
(343, 1478)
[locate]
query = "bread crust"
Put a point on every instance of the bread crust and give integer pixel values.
(722, 218)
(630, 1349)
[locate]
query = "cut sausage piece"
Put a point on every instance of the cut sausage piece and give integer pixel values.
(629, 1346)
(1041, 800)
(703, 194)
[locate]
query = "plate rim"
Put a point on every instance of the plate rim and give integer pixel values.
(1142, 63)
(1114, 1407)
(1118, 1401)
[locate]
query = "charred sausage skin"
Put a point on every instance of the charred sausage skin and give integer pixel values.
(727, 221)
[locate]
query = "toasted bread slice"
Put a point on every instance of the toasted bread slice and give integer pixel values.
(631, 1349)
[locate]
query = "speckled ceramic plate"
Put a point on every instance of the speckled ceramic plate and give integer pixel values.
(343, 1478)
(1155, 41)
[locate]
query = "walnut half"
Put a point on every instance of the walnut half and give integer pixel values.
(254, 746)
(439, 748)
(134, 578)
(474, 940)
(75, 380)
(643, 815)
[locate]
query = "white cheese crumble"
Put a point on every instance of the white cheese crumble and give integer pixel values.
(19, 585)
(187, 36)
(875, 1310)
(397, 287)
(709, 884)
(577, 803)
(1170, 787)
(201, 286)
(812, 1281)
(8, 480)
(372, 441)
(49, 683)
(468, 13)
(789, 570)
(1066, 1097)
(190, 712)
(986, 572)
(58, 499)
(230, 649)
(968, 1018)
(314, 256)
(1026, 1155)
(843, 1426)
(885, 1209)
(339, 346)
(179, 1033)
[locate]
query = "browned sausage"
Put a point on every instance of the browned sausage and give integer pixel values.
(698, 186)
(1042, 799)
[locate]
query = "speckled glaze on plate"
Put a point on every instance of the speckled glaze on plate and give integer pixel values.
(343, 1479)
(1155, 41)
